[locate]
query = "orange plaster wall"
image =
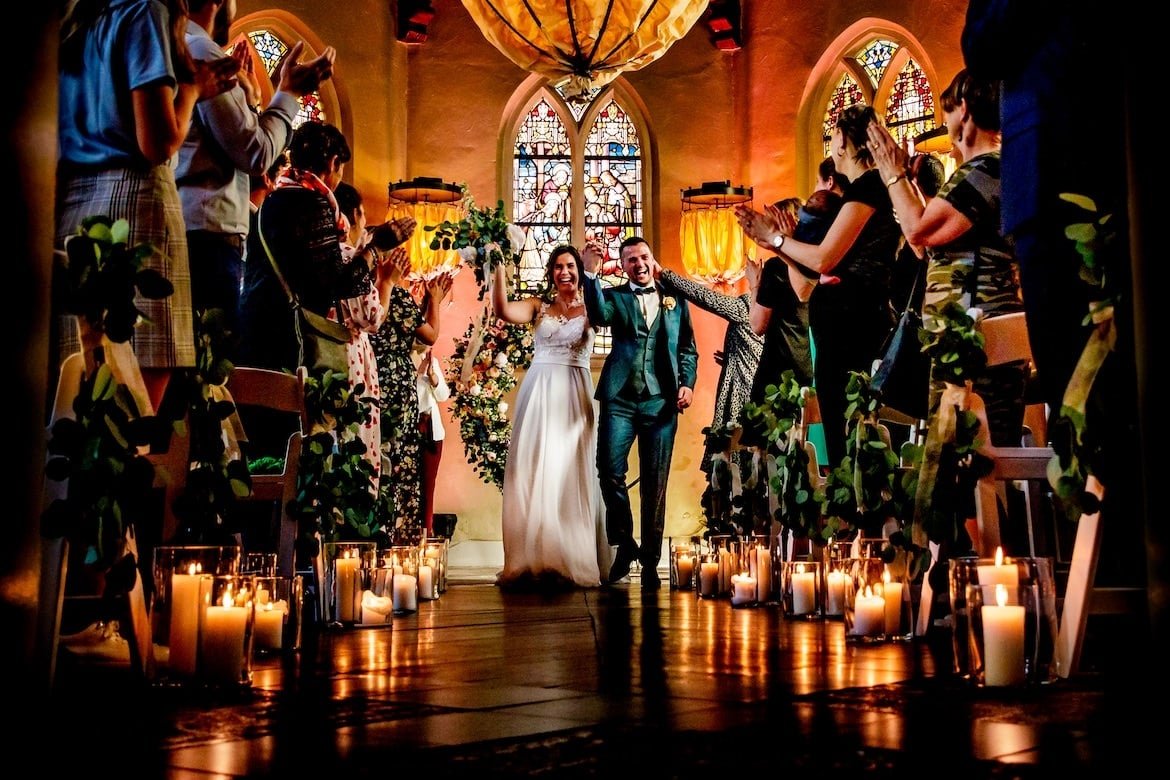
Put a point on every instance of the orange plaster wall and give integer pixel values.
(436, 109)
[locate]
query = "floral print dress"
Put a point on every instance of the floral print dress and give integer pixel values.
(401, 437)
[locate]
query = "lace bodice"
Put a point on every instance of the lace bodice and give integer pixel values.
(562, 341)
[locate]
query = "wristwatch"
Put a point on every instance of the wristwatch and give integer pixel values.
(778, 241)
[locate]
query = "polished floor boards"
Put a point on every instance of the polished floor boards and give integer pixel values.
(609, 682)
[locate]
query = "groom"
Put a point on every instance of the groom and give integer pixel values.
(646, 381)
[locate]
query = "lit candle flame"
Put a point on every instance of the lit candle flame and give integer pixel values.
(193, 569)
(886, 576)
(868, 592)
(227, 600)
(1001, 595)
(999, 556)
(268, 606)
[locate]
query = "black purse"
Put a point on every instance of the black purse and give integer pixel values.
(901, 376)
(322, 343)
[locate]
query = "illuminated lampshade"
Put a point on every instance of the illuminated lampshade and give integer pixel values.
(713, 244)
(430, 201)
(584, 44)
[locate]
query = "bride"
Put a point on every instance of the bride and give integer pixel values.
(552, 516)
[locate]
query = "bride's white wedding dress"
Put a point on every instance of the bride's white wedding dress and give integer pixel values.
(553, 525)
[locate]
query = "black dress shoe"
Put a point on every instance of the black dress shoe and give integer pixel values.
(621, 565)
(650, 580)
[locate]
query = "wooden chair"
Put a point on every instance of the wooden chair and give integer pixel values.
(276, 391)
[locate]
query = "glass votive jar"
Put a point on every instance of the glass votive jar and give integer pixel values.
(428, 579)
(761, 565)
(436, 548)
(835, 576)
(801, 587)
(895, 593)
(743, 590)
(1010, 607)
(279, 612)
(346, 573)
(684, 565)
(181, 582)
(860, 547)
(726, 550)
(865, 606)
(226, 631)
(708, 575)
(262, 564)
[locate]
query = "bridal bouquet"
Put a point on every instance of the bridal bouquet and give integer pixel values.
(482, 238)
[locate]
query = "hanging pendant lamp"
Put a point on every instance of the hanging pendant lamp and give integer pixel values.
(583, 44)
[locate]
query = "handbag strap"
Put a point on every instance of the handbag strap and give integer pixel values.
(292, 296)
(914, 287)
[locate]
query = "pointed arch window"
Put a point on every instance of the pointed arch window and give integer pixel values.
(272, 49)
(578, 171)
(885, 73)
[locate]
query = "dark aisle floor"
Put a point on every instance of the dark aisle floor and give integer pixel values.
(599, 683)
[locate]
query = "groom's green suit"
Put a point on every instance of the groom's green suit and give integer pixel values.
(638, 391)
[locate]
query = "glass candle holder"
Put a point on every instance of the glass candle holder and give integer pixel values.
(762, 566)
(279, 612)
(708, 578)
(836, 574)
(865, 606)
(436, 548)
(261, 564)
(181, 583)
(726, 550)
(996, 595)
(684, 565)
(895, 592)
(802, 586)
(226, 632)
(346, 576)
(403, 564)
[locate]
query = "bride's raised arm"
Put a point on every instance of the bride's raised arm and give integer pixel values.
(522, 311)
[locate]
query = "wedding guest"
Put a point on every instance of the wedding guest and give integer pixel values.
(232, 137)
(406, 321)
(850, 318)
(127, 88)
(967, 257)
(432, 390)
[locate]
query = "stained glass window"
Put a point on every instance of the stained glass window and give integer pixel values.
(875, 57)
(612, 181)
(271, 49)
(563, 179)
(910, 110)
(580, 104)
(542, 190)
(847, 93)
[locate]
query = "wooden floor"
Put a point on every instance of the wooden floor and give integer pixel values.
(587, 683)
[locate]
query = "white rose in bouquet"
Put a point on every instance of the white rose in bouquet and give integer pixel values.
(502, 359)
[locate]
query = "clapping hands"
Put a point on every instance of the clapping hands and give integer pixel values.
(302, 78)
(438, 286)
(393, 233)
(891, 158)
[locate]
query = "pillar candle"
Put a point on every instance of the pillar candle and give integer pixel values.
(869, 614)
(426, 582)
(764, 573)
(743, 589)
(686, 570)
(1003, 641)
(270, 625)
(186, 608)
(405, 593)
(892, 593)
(835, 603)
(724, 571)
(345, 586)
(222, 641)
(708, 578)
(1000, 573)
(804, 592)
(376, 609)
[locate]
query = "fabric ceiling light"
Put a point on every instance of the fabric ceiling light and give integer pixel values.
(712, 242)
(430, 201)
(583, 44)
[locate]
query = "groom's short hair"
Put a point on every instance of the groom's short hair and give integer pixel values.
(630, 242)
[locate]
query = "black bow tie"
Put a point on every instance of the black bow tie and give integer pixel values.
(644, 290)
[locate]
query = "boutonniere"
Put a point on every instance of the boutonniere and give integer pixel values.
(668, 303)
